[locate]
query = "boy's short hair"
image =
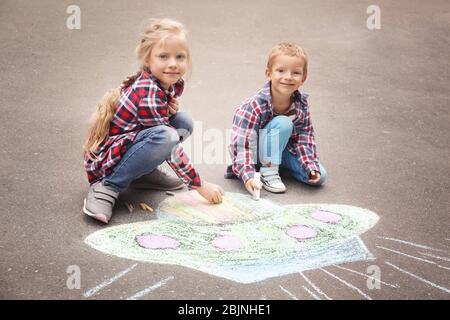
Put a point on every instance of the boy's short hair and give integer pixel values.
(289, 49)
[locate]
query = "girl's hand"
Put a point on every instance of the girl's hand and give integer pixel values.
(173, 106)
(252, 185)
(211, 192)
(314, 177)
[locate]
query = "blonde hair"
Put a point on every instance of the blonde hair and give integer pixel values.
(156, 30)
(289, 49)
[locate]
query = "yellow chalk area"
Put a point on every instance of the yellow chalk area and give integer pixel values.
(191, 206)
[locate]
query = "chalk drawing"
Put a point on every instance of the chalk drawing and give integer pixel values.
(434, 256)
(147, 290)
(289, 293)
(314, 286)
(311, 293)
(106, 283)
(413, 257)
(241, 239)
(366, 276)
(347, 284)
(411, 244)
(418, 278)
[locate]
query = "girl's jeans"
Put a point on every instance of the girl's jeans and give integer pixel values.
(273, 139)
(150, 148)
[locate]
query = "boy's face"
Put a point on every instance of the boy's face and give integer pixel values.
(286, 74)
(168, 61)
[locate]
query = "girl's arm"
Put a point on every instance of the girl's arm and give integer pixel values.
(183, 167)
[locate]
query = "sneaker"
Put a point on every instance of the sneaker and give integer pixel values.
(271, 180)
(100, 202)
(158, 179)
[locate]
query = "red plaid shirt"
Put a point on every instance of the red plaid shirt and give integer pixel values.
(254, 114)
(141, 105)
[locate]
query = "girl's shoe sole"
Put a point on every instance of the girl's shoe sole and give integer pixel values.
(99, 216)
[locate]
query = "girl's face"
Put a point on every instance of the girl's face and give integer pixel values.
(168, 61)
(286, 74)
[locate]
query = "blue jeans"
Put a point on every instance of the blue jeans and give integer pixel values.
(273, 139)
(150, 148)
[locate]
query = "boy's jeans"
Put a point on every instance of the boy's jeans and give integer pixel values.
(273, 139)
(150, 148)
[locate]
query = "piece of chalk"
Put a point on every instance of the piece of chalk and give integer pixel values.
(257, 192)
(145, 207)
(129, 206)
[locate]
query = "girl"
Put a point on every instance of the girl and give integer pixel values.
(137, 127)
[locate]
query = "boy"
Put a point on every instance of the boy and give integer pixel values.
(273, 129)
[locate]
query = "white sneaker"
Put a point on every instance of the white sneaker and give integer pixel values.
(271, 180)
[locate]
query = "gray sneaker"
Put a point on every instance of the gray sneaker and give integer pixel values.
(100, 202)
(271, 180)
(158, 179)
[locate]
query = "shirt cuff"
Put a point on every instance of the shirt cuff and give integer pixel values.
(195, 183)
(309, 167)
(247, 174)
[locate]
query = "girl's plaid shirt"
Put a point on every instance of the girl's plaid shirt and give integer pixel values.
(141, 105)
(254, 114)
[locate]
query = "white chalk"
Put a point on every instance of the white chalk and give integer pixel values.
(290, 294)
(419, 278)
(102, 285)
(147, 290)
(257, 194)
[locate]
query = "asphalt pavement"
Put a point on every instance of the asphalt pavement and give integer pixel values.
(379, 103)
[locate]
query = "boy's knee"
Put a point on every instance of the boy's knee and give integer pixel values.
(283, 123)
(323, 176)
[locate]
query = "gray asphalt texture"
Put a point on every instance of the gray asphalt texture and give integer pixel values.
(379, 103)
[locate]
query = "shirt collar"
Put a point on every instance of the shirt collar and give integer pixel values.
(174, 90)
(299, 97)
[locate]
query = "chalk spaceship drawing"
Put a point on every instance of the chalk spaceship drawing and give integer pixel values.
(241, 239)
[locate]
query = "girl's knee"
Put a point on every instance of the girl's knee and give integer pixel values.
(165, 136)
(171, 137)
(188, 123)
(183, 123)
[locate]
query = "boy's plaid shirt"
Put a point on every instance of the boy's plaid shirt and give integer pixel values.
(143, 104)
(254, 114)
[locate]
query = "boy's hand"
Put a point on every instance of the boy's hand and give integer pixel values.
(173, 106)
(211, 192)
(314, 177)
(252, 185)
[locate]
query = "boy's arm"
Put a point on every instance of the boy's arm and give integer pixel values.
(245, 143)
(304, 144)
(183, 167)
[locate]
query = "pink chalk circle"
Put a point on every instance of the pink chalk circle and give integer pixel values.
(302, 232)
(227, 243)
(149, 241)
(326, 216)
